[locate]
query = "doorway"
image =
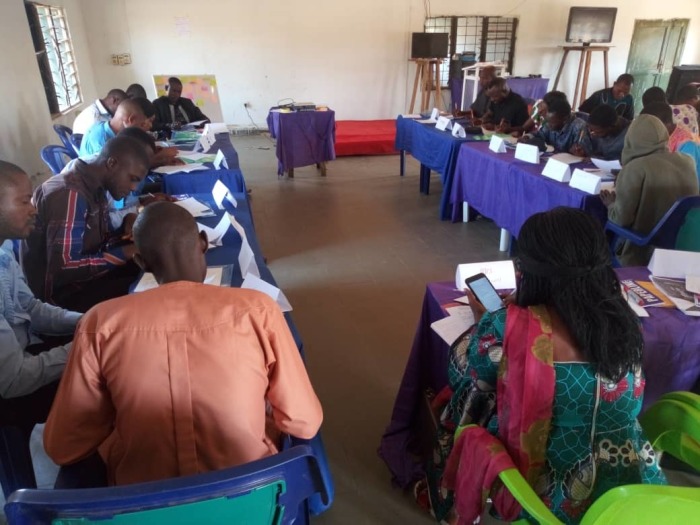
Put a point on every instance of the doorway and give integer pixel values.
(656, 47)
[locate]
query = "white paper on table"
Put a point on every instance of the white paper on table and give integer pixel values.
(195, 156)
(497, 144)
(566, 158)
(692, 283)
(182, 168)
(458, 131)
(213, 128)
(196, 208)
(527, 153)
(246, 257)
(450, 328)
(464, 299)
(216, 234)
(607, 185)
(220, 160)
(206, 142)
(411, 115)
(639, 310)
(500, 273)
(435, 114)
(443, 123)
(607, 165)
(426, 121)
(676, 292)
(557, 170)
(148, 280)
(463, 312)
(253, 282)
(194, 124)
(586, 181)
(673, 263)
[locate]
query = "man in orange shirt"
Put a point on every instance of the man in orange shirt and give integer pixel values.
(183, 378)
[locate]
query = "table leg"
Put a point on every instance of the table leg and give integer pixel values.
(290, 173)
(323, 169)
(505, 240)
(424, 179)
(402, 162)
(465, 212)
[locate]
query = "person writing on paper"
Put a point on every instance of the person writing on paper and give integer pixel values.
(606, 135)
(131, 112)
(651, 180)
(539, 111)
(555, 378)
(481, 103)
(101, 110)
(562, 129)
(618, 97)
(173, 110)
(75, 258)
(507, 111)
(685, 112)
(183, 378)
(30, 366)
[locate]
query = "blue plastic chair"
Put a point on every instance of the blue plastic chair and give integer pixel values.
(55, 157)
(665, 233)
(274, 490)
(16, 467)
(76, 139)
(64, 133)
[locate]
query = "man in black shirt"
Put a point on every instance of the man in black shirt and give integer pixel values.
(173, 110)
(507, 111)
(480, 104)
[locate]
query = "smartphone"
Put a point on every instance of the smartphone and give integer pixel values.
(484, 291)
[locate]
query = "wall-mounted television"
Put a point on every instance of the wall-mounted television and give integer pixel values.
(591, 25)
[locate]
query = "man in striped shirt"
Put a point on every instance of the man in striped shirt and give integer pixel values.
(75, 258)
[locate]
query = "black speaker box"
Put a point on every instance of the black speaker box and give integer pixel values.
(681, 76)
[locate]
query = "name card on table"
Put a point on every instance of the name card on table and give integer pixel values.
(443, 123)
(675, 264)
(497, 144)
(435, 114)
(527, 153)
(500, 273)
(206, 142)
(220, 192)
(557, 170)
(220, 160)
(212, 128)
(458, 131)
(586, 181)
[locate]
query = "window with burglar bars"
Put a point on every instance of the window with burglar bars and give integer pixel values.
(54, 54)
(489, 38)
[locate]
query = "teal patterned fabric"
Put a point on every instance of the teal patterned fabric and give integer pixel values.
(585, 458)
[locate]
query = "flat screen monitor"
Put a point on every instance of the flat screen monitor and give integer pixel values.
(429, 45)
(591, 24)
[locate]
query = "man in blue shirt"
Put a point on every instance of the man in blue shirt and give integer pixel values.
(562, 129)
(131, 112)
(618, 97)
(29, 367)
(606, 135)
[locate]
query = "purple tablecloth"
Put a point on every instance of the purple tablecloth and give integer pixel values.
(509, 191)
(436, 150)
(671, 362)
(303, 137)
(528, 88)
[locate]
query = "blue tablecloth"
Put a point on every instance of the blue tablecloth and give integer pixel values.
(303, 138)
(203, 181)
(671, 362)
(528, 88)
(509, 191)
(436, 150)
(228, 254)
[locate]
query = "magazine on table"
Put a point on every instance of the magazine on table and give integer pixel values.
(675, 289)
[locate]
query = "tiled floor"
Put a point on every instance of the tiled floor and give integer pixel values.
(353, 252)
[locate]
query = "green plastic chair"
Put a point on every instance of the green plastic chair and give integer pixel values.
(672, 425)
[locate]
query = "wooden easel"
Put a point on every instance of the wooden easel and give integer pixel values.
(427, 75)
(584, 67)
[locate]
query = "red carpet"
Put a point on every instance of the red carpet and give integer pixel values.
(365, 137)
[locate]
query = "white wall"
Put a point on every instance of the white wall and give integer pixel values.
(25, 121)
(351, 55)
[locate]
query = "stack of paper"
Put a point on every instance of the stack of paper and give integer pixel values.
(458, 321)
(674, 273)
(195, 207)
(191, 157)
(182, 168)
(607, 166)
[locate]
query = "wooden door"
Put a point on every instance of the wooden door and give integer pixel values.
(656, 47)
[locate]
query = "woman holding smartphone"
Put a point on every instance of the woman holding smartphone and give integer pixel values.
(555, 376)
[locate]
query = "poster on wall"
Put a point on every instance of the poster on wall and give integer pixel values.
(202, 89)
